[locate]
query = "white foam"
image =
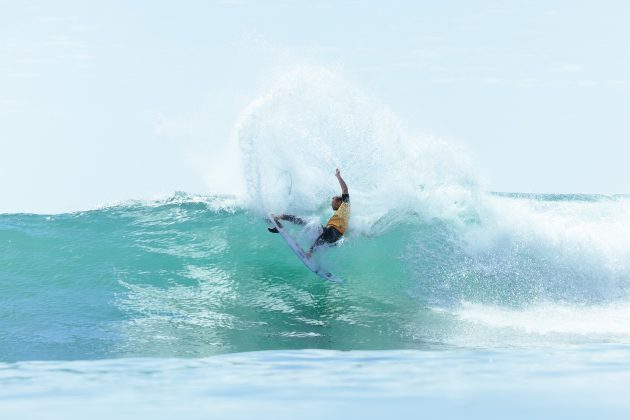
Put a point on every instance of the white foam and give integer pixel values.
(590, 321)
(312, 121)
(580, 246)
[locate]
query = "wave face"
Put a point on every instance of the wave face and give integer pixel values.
(192, 276)
(429, 259)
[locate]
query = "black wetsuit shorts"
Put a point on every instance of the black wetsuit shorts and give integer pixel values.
(330, 235)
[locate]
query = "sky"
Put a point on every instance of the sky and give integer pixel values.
(105, 101)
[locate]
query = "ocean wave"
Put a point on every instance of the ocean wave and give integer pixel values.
(184, 277)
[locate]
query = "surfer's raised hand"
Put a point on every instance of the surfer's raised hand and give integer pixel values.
(342, 183)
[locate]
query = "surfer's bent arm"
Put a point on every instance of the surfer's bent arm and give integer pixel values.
(342, 183)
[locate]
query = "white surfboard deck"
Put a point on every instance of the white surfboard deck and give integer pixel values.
(309, 263)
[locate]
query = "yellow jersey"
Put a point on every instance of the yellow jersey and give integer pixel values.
(341, 217)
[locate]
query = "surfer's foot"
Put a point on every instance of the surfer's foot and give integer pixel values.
(273, 230)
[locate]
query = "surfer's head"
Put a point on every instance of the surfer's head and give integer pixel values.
(336, 202)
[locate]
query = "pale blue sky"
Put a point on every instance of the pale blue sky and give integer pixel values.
(114, 100)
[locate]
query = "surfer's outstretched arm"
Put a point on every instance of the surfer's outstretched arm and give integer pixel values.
(342, 183)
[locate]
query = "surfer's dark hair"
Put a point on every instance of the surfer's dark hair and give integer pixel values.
(337, 197)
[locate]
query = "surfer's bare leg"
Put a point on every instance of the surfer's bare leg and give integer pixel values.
(318, 242)
(288, 218)
(329, 236)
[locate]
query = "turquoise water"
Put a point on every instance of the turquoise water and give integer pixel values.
(181, 279)
(191, 297)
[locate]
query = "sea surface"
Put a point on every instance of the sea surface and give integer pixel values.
(188, 306)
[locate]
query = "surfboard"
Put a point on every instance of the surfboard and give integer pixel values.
(308, 262)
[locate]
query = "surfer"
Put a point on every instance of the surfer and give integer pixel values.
(337, 224)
